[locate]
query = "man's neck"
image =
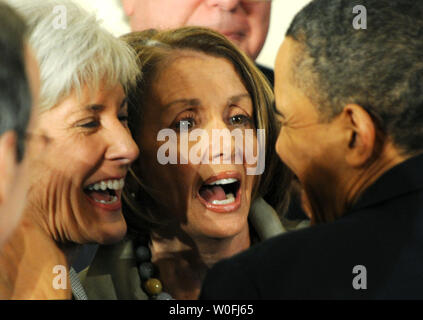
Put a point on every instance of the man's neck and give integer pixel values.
(331, 193)
(367, 176)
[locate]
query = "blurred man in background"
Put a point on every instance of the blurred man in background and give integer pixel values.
(245, 22)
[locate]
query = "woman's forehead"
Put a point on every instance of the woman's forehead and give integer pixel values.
(199, 75)
(92, 99)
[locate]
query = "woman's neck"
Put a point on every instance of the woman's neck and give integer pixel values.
(183, 261)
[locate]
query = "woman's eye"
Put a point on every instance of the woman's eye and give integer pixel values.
(185, 123)
(240, 119)
(90, 125)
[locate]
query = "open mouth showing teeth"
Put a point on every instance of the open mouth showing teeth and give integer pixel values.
(220, 192)
(105, 192)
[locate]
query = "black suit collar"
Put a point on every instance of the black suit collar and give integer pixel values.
(404, 178)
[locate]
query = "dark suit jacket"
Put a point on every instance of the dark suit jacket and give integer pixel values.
(383, 233)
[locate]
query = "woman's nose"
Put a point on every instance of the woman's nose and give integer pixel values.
(222, 146)
(122, 146)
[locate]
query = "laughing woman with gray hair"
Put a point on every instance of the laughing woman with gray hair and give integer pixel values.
(76, 184)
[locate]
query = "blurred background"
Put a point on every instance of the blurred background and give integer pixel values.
(283, 11)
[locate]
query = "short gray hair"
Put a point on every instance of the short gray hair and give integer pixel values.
(82, 53)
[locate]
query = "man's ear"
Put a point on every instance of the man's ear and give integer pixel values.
(361, 135)
(8, 164)
(128, 6)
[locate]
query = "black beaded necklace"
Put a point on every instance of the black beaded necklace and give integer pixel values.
(148, 274)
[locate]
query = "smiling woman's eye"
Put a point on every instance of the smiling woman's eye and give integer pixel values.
(89, 124)
(240, 120)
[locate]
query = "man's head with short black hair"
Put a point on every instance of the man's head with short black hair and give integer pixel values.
(350, 99)
(379, 68)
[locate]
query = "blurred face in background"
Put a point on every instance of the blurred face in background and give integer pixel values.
(244, 22)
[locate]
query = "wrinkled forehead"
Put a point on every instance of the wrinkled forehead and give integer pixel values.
(188, 65)
(197, 80)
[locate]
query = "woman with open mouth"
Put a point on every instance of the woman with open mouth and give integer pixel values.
(76, 185)
(183, 217)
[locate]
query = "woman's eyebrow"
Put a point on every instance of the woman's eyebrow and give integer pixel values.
(94, 108)
(186, 102)
(238, 97)
(195, 102)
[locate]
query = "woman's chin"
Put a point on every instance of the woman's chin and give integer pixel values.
(111, 233)
(223, 233)
(215, 224)
(224, 229)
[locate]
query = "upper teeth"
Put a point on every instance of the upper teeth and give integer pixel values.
(108, 184)
(223, 181)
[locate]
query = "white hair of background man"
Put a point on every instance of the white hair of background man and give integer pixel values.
(82, 53)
